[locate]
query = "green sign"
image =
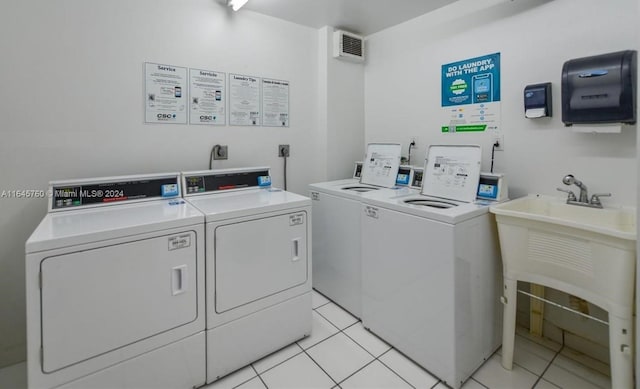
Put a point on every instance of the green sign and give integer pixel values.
(465, 128)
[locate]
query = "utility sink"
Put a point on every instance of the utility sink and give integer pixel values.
(589, 251)
(619, 222)
(586, 252)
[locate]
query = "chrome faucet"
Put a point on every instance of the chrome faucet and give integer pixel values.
(569, 179)
(583, 198)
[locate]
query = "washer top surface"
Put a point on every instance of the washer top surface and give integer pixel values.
(79, 226)
(233, 204)
(435, 208)
(353, 189)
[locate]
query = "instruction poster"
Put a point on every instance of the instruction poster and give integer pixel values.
(381, 164)
(207, 97)
(165, 93)
(471, 94)
(275, 103)
(244, 100)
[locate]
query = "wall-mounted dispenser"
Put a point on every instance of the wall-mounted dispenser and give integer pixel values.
(600, 89)
(537, 100)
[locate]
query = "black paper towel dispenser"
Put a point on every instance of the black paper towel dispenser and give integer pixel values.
(600, 89)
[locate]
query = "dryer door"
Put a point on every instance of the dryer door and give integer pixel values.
(102, 299)
(258, 258)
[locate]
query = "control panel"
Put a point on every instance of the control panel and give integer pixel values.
(223, 180)
(357, 170)
(404, 175)
(416, 178)
(74, 194)
(492, 187)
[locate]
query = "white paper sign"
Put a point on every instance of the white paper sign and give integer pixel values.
(381, 164)
(244, 100)
(275, 103)
(207, 97)
(165, 93)
(452, 172)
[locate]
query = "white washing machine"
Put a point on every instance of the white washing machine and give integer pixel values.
(258, 265)
(337, 272)
(432, 269)
(115, 286)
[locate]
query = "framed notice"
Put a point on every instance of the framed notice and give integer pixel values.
(275, 103)
(471, 95)
(207, 97)
(244, 100)
(165, 92)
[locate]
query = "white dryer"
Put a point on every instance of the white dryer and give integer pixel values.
(258, 261)
(432, 270)
(115, 286)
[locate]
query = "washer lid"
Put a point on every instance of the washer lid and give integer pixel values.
(452, 172)
(381, 164)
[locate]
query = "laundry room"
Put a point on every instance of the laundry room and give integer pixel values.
(201, 193)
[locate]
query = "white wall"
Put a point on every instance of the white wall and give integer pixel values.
(71, 100)
(535, 38)
(637, 344)
(341, 111)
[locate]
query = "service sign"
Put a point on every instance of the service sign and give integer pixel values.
(207, 97)
(165, 95)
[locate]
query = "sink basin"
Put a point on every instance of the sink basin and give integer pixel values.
(587, 252)
(619, 222)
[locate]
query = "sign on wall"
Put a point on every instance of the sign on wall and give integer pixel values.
(471, 94)
(275, 103)
(244, 100)
(165, 93)
(207, 97)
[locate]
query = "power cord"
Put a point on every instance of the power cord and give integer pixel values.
(285, 173)
(412, 144)
(493, 152)
(214, 151)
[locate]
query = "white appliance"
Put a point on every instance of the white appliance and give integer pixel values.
(337, 272)
(115, 286)
(258, 261)
(431, 268)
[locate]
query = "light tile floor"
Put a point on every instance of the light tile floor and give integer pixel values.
(340, 353)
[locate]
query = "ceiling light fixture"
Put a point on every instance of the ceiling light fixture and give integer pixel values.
(236, 4)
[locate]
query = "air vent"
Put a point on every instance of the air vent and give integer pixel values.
(348, 46)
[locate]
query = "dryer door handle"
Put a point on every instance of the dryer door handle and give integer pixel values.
(295, 250)
(179, 280)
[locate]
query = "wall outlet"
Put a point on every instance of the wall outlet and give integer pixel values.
(220, 152)
(283, 151)
(500, 139)
(413, 140)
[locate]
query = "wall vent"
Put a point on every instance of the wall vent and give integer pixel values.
(348, 46)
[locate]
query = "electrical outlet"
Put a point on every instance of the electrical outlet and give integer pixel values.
(500, 139)
(414, 140)
(221, 152)
(283, 151)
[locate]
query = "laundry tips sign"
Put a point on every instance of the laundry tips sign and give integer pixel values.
(471, 94)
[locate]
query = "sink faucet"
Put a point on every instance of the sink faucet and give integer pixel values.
(583, 198)
(569, 179)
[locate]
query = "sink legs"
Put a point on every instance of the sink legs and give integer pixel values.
(510, 295)
(620, 351)
(620, 339)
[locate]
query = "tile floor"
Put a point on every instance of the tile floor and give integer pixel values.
(340, 353)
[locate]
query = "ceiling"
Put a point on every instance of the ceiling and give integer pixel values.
(362, 17)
